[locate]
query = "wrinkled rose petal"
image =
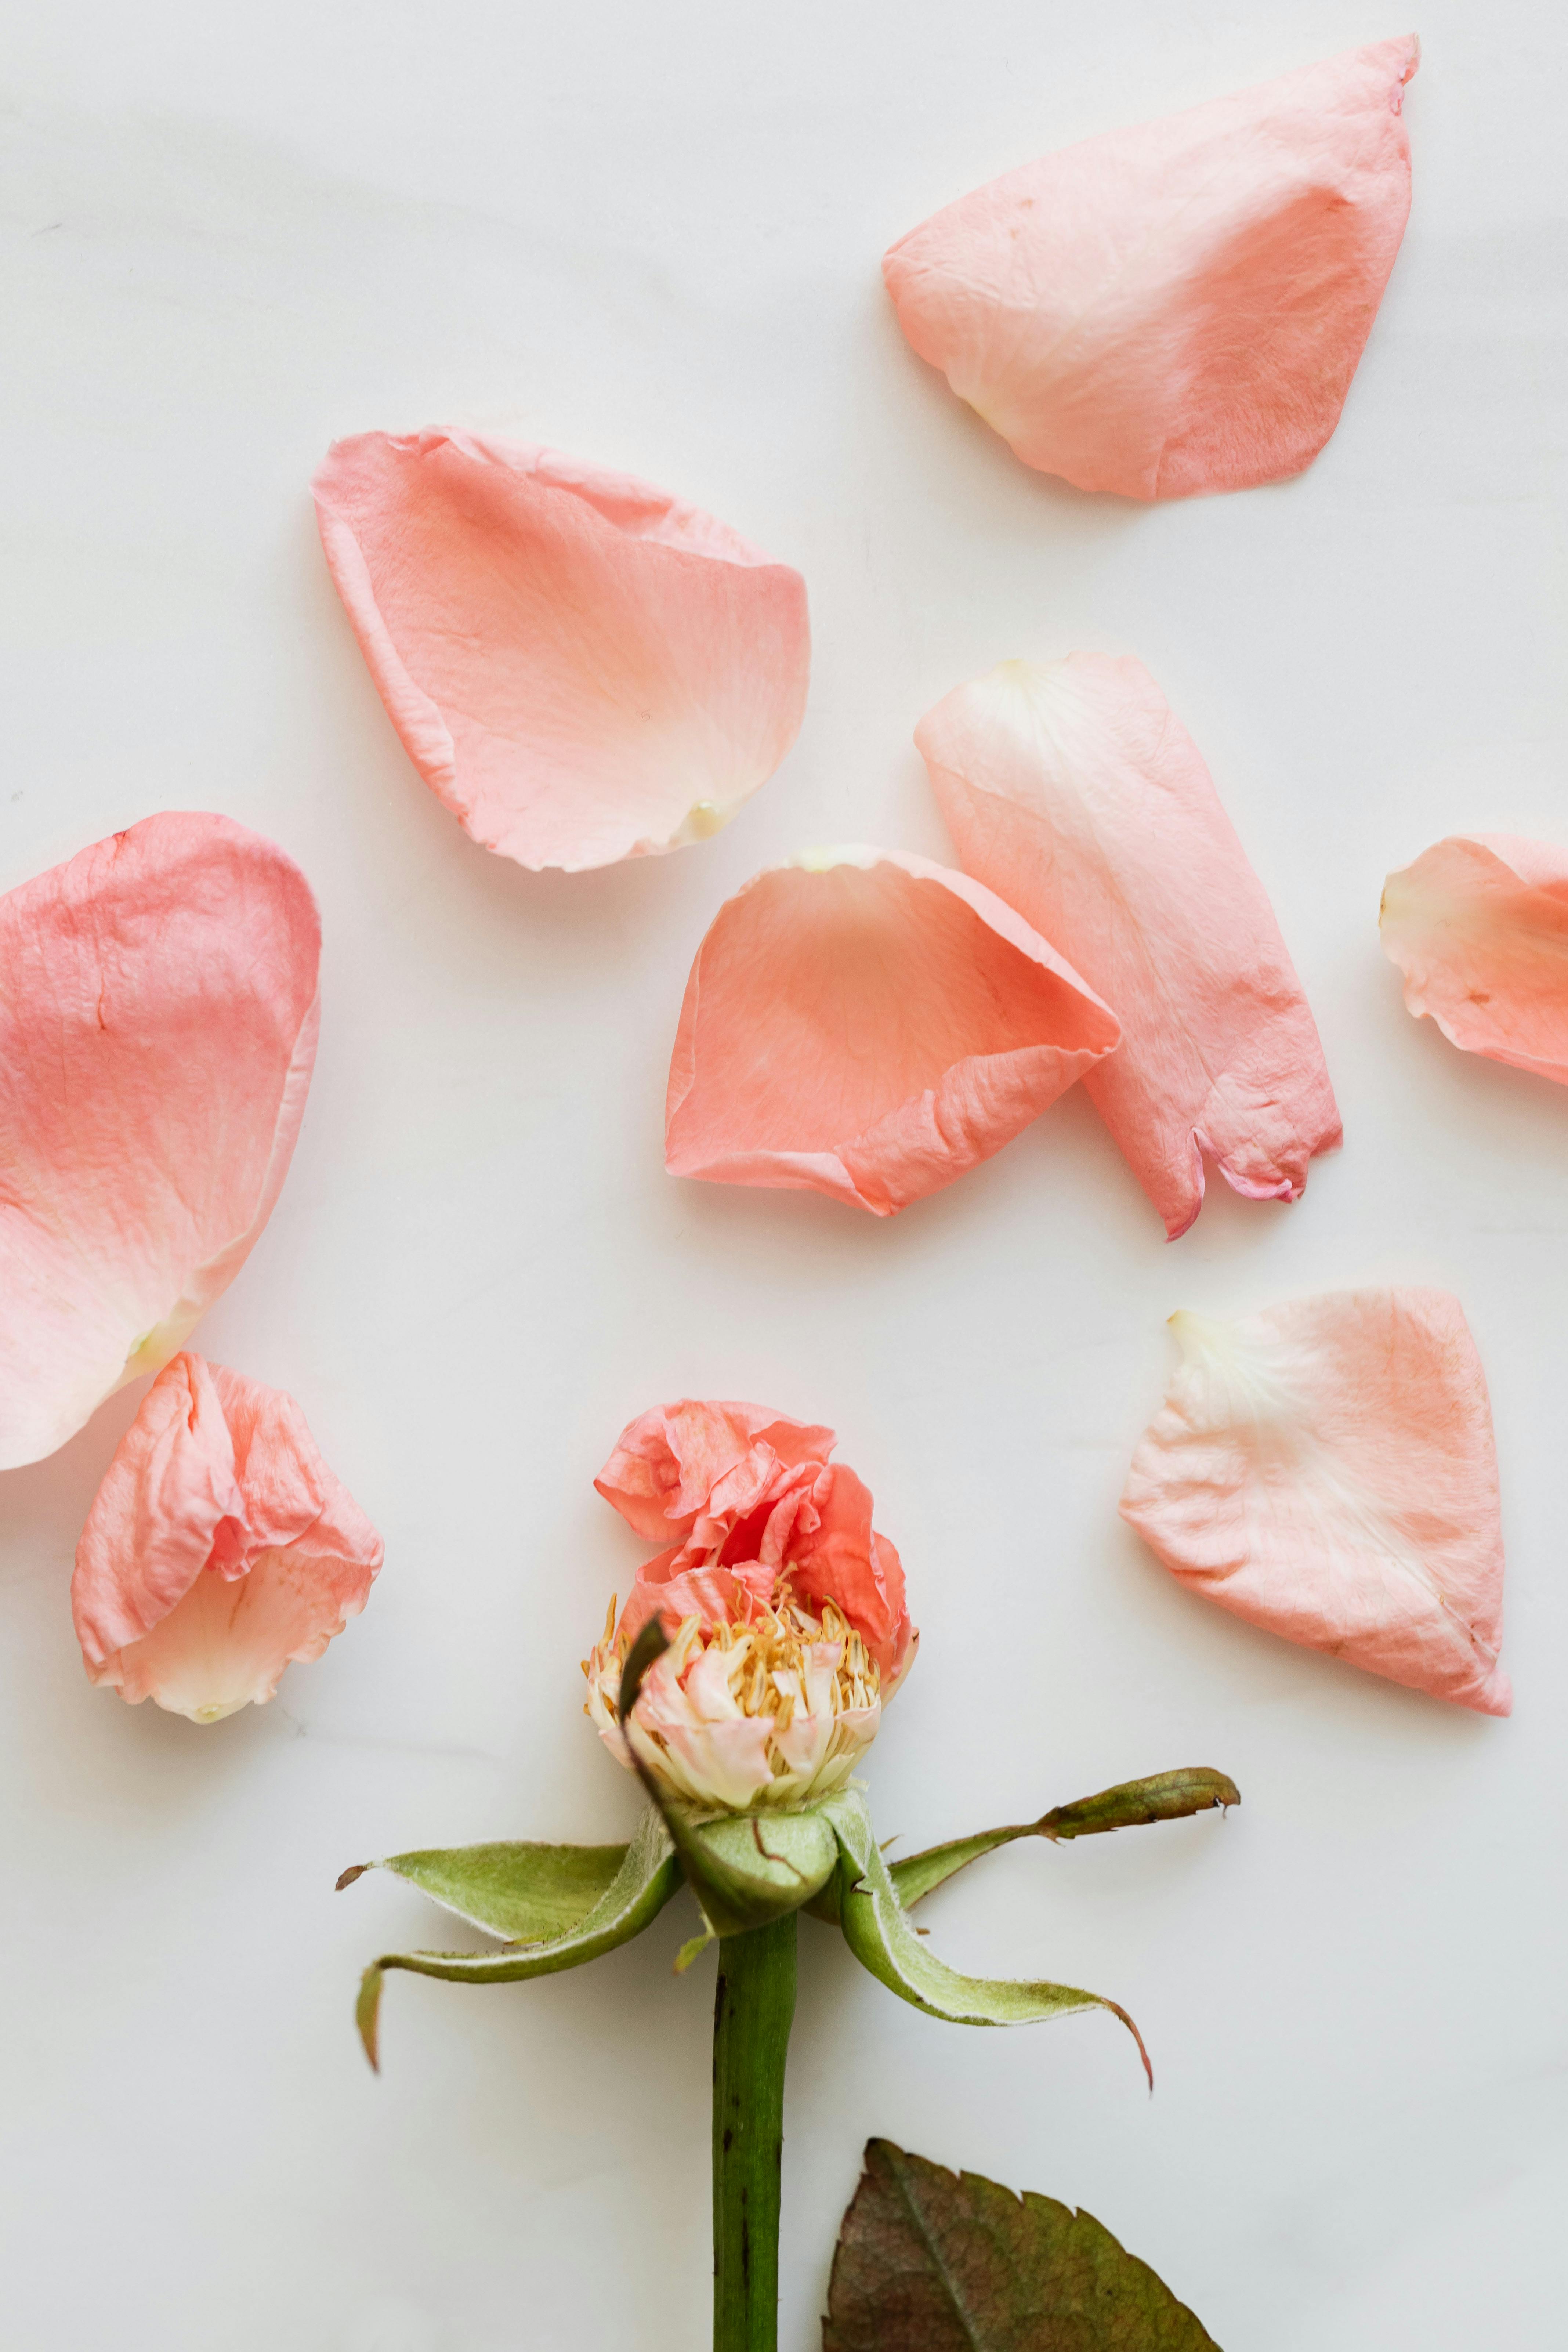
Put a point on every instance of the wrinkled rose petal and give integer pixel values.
(1180, 307)
(1479, 926)
(870, 1025)
(157, 1030)
(756, 1503)
(218, 1549)
(1072, 789)
(1326, 1470)
(785, 1607)
(582, 669)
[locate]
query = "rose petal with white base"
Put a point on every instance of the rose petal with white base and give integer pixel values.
(1073, 790)
(1181, 306)
(220, 1547)
(870, 1025)
(581, 667)
(158, 1022)
(1326, 1469)
(1479, 926)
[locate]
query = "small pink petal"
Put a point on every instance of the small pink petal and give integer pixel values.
(869, 1025)
(1073, 788)
(666, 1464)
(157, 1030)
(1326, 1470)
(582, 669)
(1479, 926)
(1180, 307)
(219, 1548)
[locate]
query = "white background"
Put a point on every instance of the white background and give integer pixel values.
(650, 235)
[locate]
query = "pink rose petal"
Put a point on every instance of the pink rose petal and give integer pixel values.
(1074, 790)
(581, 668)
(219, 1548)
(1479, 926)
(870, 1025)
(1326, 1470)
(1181, 306)
(158, 1026)
(758, 1506)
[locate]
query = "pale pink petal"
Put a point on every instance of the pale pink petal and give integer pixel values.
(870, 1025)
(1326, 1469)
(1181, 306)
(1479, 926)
(582, 669)
(219, 1548)
(1073, 788)
(158, 1027)
(668, 1462)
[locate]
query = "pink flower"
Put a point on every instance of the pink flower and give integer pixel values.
(157, 1030)
(785, 1606)
(219, 1548)
(1479, 926)
(1181, 306)
(1073, 790)
(1326, 1470)
(582, 669)
(870, 1025)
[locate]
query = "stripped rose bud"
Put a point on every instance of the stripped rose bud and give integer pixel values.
(786, 1608)
(218, 1549)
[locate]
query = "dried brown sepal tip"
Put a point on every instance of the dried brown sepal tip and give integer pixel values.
(932, 2261)
(355, 1869)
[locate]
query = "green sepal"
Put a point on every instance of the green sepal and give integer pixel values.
(648, 1875)
(878, 1931)
(1163, 1797)
(522, 1893)
(748, 1869)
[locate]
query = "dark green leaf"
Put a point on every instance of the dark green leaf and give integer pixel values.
(932, 2260)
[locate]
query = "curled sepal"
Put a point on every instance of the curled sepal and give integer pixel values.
(648, 1875)
(522, 1893)
(1163, 1797)
(878, 1931)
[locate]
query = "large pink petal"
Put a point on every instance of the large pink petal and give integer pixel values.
(157, 1029)
(870, 1025)
(666, 1463)
(219, 1546)
(582, 669)
(1074, 790)
(1326, 1469)
(1479, 926)
(1180, 307)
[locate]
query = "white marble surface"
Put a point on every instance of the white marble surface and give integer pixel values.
(652, 234)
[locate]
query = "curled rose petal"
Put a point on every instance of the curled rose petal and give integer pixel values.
(1479, 926)
(870, 1025)
(582, 669)
(1326, 1470)
(157, 1029)
(1181, 306)
(784, 1606)
(218, 1549)
(1072, 788)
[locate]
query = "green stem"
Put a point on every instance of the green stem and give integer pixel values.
(753, 2007)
